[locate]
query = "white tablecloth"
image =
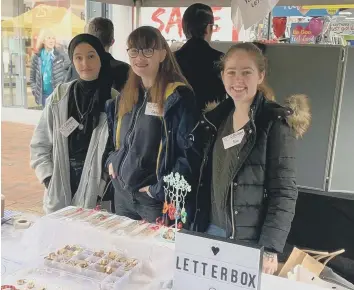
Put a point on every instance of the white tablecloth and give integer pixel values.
(27, 248)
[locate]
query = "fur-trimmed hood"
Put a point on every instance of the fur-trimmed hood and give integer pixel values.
(298, 117)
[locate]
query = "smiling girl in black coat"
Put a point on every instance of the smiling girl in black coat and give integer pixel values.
(247, 182)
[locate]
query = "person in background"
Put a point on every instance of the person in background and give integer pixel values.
(103, 29)
(155, 114)
(197, 60)
(71, 139)
(48, 67)
(176, 45)
(247, 189)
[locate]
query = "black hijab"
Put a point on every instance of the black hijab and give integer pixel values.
(90, 96)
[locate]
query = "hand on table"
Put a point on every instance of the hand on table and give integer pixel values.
(270, 263)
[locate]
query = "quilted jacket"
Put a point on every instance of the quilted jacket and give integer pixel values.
(61, 64)
(259, 195)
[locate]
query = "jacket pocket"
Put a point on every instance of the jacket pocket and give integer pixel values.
(54, 197)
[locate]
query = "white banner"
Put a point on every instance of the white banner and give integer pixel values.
(251, 11)
(343, 28)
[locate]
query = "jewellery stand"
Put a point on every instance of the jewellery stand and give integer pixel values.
(176, 189)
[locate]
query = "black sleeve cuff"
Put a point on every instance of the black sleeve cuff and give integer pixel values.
(47, 181)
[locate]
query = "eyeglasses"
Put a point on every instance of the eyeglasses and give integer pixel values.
(134, 52)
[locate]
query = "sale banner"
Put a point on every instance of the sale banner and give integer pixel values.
(169, 21)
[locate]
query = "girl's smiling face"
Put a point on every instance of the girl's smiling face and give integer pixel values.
(241, 76)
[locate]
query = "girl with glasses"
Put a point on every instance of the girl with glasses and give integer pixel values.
(154, 115)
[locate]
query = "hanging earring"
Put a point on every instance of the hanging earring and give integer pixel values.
(171, 211)
(184, 194)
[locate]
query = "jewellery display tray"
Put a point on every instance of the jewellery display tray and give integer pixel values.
(61, 270)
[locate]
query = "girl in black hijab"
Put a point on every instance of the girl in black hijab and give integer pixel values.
(87, 98)
(72, 135)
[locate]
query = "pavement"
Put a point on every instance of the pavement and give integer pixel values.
(21, 188)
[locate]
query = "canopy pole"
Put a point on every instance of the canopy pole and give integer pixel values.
(87, 10)
(269, 25)
(138, 13)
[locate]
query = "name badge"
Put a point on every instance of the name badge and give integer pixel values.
(68, 127)
(233, 139)
(152, 109)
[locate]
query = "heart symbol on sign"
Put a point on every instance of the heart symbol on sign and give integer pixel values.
(215, 250)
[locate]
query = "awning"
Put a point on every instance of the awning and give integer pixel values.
(38, 17)
(224, 3)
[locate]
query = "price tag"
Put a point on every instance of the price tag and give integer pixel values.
(152, 109)
(233, 139)
(68, 127)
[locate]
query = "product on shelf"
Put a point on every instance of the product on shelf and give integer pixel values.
(127, 228)
(149, 231)
(25, 284)
(83, 214)
(66, 212)
(169, 234)
(98, 218)
(113, 223)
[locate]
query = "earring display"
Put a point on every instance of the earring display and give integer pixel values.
(176, 189)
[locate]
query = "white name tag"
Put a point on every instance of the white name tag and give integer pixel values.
(152, 109)
(233, 139)
(68, 127)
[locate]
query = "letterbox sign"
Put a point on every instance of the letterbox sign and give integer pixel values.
(207, 263)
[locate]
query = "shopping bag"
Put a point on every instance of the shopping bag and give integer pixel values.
(301, 274)
(330, 276)
(311, 260)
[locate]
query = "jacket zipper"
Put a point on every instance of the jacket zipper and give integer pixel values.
(166, 154)
(160, 148)
(199, 180)
(129, 134)
(232, 190)
(205, 159)
(232, 212)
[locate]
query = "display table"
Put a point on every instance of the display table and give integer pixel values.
(23, 250)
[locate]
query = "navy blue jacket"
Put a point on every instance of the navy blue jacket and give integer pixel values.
(179, 118)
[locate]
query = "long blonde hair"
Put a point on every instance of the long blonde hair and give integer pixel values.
(43, 34)
(169, 71)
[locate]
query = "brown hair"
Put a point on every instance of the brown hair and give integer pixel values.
(259, 59)
(103, 29)
(169, 71)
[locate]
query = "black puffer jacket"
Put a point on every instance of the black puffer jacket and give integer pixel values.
(261, 198)
(61, 64)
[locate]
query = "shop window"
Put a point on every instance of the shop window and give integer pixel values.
(24, 24)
